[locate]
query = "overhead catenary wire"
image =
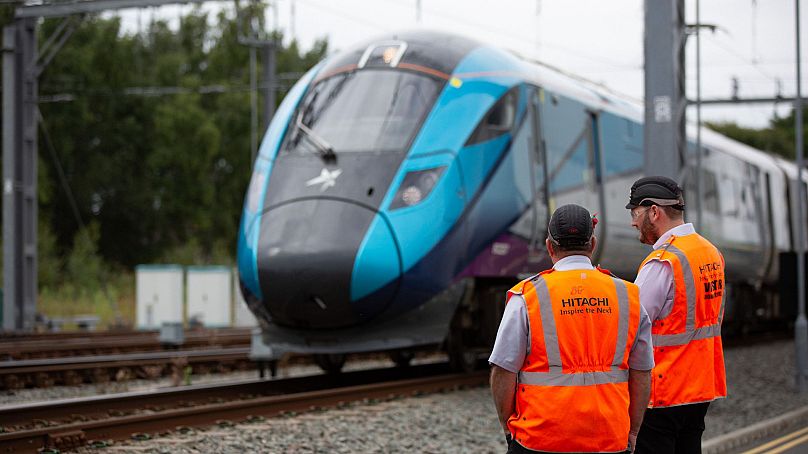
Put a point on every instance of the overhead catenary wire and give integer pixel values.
(476, 26)
(156, 91)
(74, 207)
(509, 33)
(601, 64)
(746, 60)
(60, 173)
(341, 13)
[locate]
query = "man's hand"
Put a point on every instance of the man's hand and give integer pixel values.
(639, 389)
(632, 441)
(503, 389)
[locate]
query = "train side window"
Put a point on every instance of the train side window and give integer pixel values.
(729, 196)
(498, 120)
(710, 191)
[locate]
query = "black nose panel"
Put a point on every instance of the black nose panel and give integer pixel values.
(306, 253)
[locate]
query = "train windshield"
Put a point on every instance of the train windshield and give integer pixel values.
(361, 111)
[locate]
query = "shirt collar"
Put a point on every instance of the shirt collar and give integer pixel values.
(574, 262)
(679, 230)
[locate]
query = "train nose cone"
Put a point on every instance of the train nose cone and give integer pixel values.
(306, 262)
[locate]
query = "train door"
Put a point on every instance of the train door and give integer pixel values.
(526, 173)
(572, 151)
(763, 205)
(539, 178)
(597, 192)
(793, 199)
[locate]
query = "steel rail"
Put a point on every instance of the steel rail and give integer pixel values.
(75, 370)
(38, 348)
(130, 359)
(75, 434)
(6, 336)
(113, 404)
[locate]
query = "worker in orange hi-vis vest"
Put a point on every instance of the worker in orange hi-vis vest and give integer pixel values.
(682, 289)
(570, 368)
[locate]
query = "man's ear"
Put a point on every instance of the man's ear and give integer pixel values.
(593, 243)
(549, 245)
(655, 209)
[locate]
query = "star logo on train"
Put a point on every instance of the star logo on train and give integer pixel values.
(327, 179)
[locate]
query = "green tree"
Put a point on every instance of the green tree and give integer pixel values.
(778, 138)
(153, 172)
(140, 161)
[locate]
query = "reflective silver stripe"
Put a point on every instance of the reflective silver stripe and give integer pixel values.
(691, 333)
(669, 340)
(690, 287)
(622, 323)
(555, 377)
(548, 325)
(723, 301)
(529, 335)
(577, 379)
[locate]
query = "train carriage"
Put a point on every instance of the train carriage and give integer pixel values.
(405, 183)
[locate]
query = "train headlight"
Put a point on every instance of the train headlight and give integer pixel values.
(411, 195)
(416, 187)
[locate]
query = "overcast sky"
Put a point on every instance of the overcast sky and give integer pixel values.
(599, 40)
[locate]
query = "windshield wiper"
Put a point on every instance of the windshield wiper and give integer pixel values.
(325, 149)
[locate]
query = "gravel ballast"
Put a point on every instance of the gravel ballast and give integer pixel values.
(761, 386)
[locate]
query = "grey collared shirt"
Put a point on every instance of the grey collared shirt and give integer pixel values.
(511, 345)
(655, 278)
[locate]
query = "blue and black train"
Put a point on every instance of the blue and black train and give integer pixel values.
(405, 183)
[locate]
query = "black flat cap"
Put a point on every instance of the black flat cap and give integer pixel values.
(571, 225)
(656, 190)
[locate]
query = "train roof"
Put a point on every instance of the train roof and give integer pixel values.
(434, 50)
(600, 97)
(712, 139)
(789, 168)
(444, 51)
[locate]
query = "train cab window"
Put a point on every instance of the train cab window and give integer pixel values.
(498, 120)
(372, 110)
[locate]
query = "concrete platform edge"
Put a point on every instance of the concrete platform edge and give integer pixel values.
(724, 443)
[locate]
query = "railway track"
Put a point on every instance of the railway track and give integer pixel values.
(72, 423)
(55, 345)
(76, 370)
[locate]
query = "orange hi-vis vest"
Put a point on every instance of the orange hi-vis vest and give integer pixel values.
(688, 352)
(572, 391)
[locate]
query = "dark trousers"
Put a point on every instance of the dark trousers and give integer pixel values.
(516, 448)
(672, 430)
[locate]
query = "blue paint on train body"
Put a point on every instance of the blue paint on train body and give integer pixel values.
(431, 237)
(440, 143)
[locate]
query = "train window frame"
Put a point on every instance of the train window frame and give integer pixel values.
(486, 130)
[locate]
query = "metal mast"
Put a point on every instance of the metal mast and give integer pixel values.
(665, 100)
(22, 65)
